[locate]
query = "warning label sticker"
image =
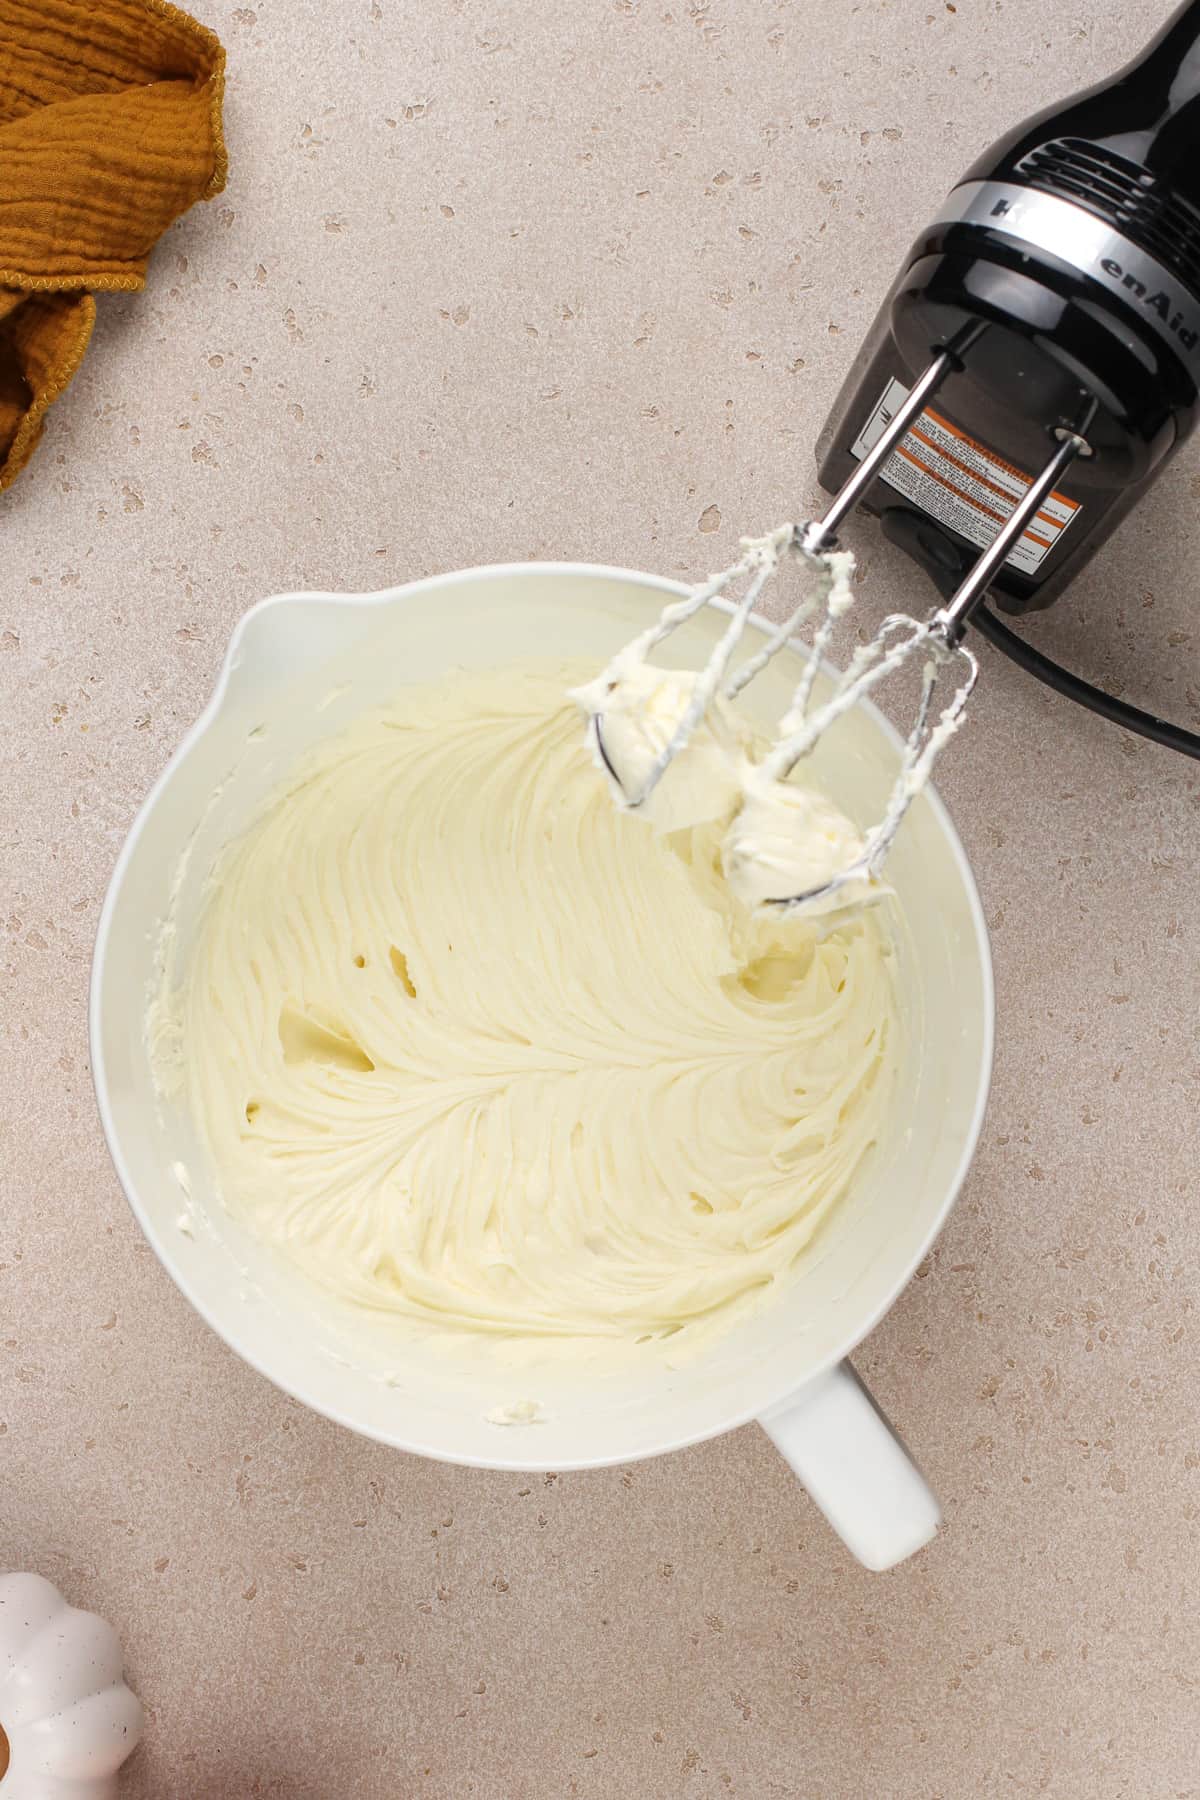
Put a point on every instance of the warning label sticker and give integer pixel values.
(958, 480)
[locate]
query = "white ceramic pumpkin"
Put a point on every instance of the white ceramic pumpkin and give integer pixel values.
(67, 1719)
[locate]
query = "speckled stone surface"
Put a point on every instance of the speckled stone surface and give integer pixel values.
(509, 280)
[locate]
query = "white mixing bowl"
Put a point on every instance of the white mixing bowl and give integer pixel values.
(299, 668)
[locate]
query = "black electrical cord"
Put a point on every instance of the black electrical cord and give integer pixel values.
(1162, 731)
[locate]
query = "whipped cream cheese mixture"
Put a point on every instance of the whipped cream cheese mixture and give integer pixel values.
(782, 839)
(476, 1049)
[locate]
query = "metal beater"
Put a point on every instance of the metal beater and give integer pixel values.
(1052, 310)
(939, 638)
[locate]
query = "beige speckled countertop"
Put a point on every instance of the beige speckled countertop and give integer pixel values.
(509, 280)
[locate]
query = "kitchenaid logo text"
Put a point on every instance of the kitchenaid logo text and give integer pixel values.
(1157, 300)
(1160, 302)
(1073, 235)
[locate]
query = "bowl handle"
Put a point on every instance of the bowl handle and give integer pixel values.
(855, 1468)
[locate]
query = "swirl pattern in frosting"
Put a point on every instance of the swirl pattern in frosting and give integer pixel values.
(476, 1050)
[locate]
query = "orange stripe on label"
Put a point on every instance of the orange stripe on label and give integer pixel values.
(1022, 475)
(993, 487)
(968, 499)
(959, 493)
(999, 461)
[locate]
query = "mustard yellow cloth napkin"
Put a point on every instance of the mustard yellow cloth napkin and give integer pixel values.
(110, 127)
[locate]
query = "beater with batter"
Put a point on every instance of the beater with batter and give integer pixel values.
(1052, 312)
(781, 850)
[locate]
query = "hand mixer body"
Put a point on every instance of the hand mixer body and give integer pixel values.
(1063, 273)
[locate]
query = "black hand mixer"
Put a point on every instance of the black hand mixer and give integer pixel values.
(1038, 356)
(1032, 371)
